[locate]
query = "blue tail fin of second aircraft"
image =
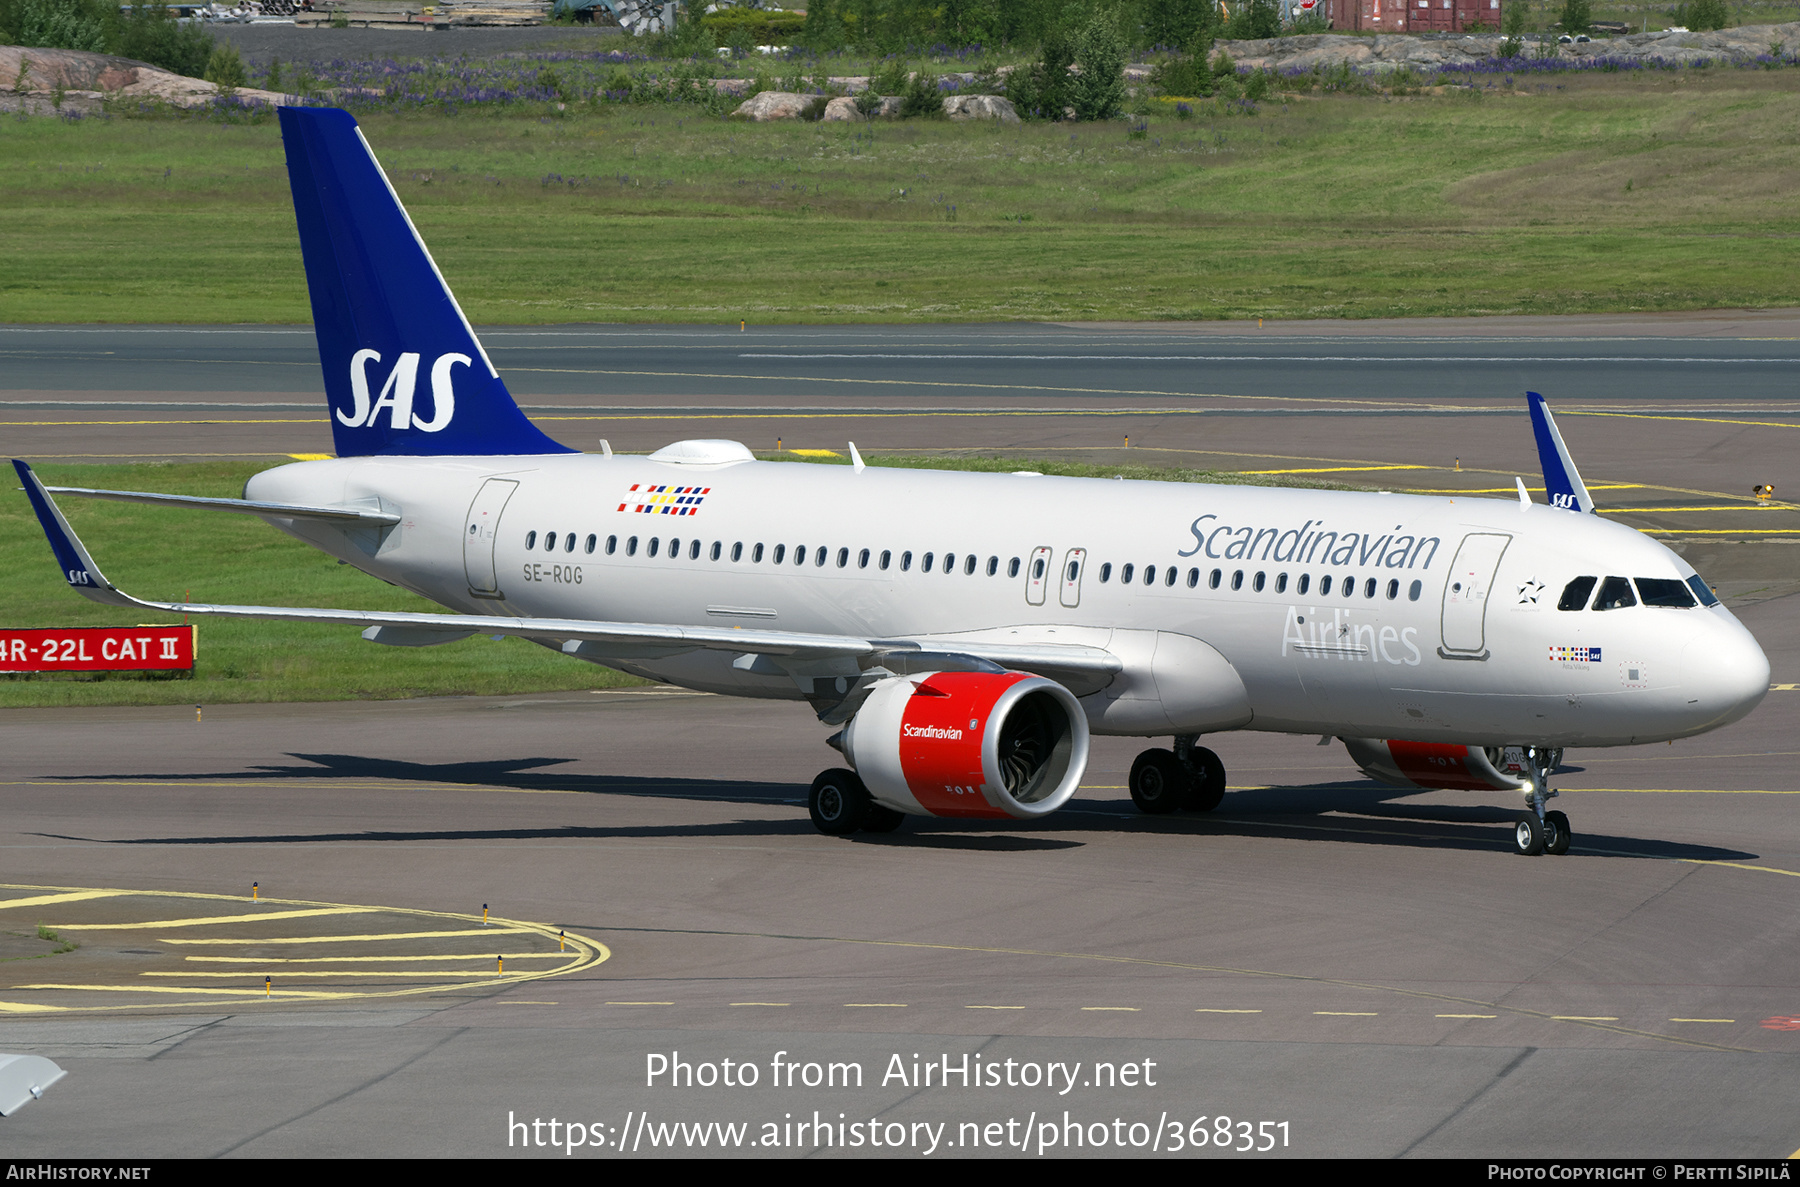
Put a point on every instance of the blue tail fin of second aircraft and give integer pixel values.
(1562, 481)
(404, 372)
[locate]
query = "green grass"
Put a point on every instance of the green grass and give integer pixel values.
(1633, 191)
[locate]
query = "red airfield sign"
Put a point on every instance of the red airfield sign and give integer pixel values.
(97, 649)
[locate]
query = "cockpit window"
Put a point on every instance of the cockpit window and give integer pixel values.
(1702, 591)
(1665, 591)
(1615, 594)
(1575, 594)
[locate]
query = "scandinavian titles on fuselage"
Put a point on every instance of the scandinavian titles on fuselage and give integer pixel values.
(1310, 543)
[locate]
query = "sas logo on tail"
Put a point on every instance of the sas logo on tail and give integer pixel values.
(395, 395)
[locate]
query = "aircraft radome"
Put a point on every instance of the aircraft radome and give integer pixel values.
(964, 634)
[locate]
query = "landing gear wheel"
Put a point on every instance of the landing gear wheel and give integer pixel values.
(1528, 835)
(1158, 782)
(838, 802)
(1206, 781)
(1556, 834)
(882, 819)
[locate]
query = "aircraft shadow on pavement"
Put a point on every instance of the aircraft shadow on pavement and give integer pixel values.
(1350, 811)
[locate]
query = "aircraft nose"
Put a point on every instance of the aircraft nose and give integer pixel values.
(1724, 673)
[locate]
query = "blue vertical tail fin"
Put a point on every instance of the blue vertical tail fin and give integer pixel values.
(404, 373)
(1562, 481)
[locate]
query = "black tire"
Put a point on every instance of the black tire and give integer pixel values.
(1528, 835)
(1206, 781)
(838, 802)
(882, 819)
(1158, 782)
(1556, 834)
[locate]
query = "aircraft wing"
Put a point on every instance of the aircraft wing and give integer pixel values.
(606, 639)
(242, 506)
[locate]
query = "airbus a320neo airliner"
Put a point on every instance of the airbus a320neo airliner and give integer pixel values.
(968, 632)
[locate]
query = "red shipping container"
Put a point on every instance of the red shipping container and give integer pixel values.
(98, 649)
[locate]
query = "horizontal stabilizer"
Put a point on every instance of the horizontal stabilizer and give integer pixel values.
(242, 506)
(1562, 481)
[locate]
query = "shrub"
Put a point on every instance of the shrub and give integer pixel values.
(1702, 15)
(225, 69)
(1254, 19)
(1577, 16)
(60, 24)
(1188, 76)
(1098, 92)
(754, 26)
(150, 34)
(1186, 25)
(921, 96)
(1040, 89)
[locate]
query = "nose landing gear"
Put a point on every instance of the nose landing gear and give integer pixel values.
(1538, 831)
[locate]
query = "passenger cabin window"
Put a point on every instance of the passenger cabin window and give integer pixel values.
(1037, 569)
(969, 566)
(694, 551)
(1105, 572)
(1575, 594)
(650, 549)
(819, 556)
(1281, 583)
(905, 562)
(1615, 594)
(1412, 595)
(926, 563)
(1193, 578)
(592, 541)
(886, 556)
(993, 565)
(530, 541)
(1256, 583)
(844, 557)
(1664, 591)
(1305, 580)
(1369, 588)
(780, 553)
(1393, 589)
(737, 552)
(862, 559)
(1218, 575)
(631, 546)
(1125, 572)
(1324, 585)
(717, 549)
(1149, 574)
(756, 555)
(612, 545)
(799, 554)
(1012, 567)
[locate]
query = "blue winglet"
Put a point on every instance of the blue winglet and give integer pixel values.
(78, 568)
(1562, 481)
(404, 373)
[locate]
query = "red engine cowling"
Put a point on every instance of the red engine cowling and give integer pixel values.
(973, 744)
(1439, 765)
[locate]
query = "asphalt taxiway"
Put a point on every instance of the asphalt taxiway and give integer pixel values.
(1351, 969)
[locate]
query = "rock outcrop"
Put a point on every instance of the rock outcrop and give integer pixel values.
(773, 105)
(33, 80)
(1388, 51)
(980, 107)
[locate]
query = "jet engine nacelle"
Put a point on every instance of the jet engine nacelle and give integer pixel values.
(1439, 765)
(970, 744)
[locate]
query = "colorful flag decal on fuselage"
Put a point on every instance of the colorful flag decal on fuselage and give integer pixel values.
(646, 499)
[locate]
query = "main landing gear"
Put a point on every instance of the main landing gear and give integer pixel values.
(840, 805)
(1539, 831)
(1188, 778)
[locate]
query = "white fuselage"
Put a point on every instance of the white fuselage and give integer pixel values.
(1440, 623)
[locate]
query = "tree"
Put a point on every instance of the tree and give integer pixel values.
(1577, 16)
(1098, 91)
(1252, 20)
(1512, 24)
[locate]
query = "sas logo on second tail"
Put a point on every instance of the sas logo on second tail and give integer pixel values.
(649, 499)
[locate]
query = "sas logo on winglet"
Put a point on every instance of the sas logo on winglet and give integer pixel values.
(396, 393)
(647, 499)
